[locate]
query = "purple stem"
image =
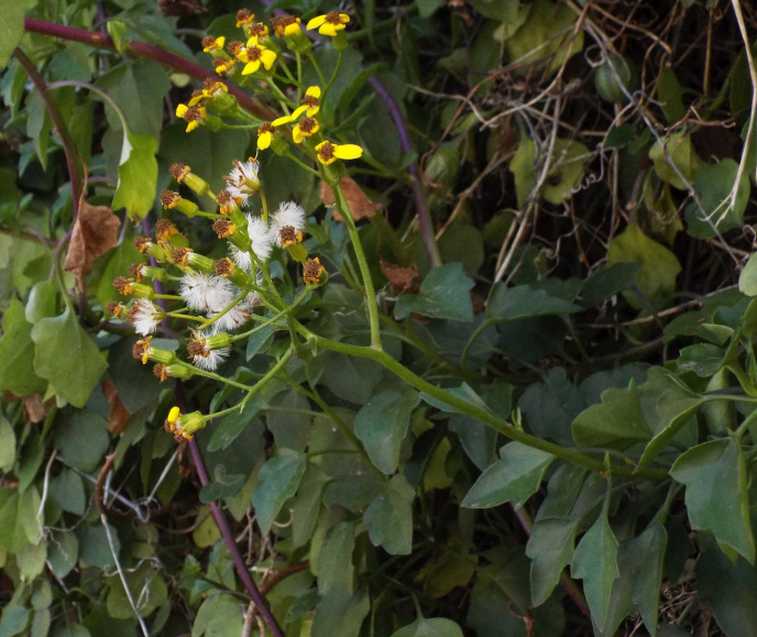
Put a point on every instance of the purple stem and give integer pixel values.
(223, 526)
(421, 208)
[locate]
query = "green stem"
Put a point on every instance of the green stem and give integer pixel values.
(317, 68)
(269, 375)
(474, 411)
(217, 377)
(365, 272)
(303, 165)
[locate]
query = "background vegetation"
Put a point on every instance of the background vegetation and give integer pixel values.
(557, 434)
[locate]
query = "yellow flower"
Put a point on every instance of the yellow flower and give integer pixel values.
(223, 67)
(306, 127)
(196, 98)
(193, 115)
(265, 135)
(328, 152)
(280, 121)
(244, 18)
(329, 23)
(257, 31)
(257, 55)
(213, 45)
(286, 26)
(173, 415)
(311, 103)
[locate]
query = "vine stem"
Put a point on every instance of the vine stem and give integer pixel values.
(421, 208)
(69, 148)
(228, 537)
(568, 454)
(151, 52)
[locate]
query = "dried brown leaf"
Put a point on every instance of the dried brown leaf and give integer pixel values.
(118, 415)
(35, 408)
(402, 279)
(360, 205)
(95, 232)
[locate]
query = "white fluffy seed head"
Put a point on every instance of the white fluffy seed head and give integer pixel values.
(289, 214)
(243, 180)
(145, 316)
(211, 361)
(206, 293)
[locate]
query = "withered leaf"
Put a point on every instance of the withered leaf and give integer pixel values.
(95, 232)
(35, 408)
(118, 415)
(360, 205)
(402, 279)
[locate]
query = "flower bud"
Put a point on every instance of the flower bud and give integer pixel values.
(173, 201)
(184, 175)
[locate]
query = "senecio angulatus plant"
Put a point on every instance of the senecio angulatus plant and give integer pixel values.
(363, 320)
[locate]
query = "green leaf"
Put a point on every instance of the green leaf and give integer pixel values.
(118, 264)
(713, 184)
(730, 588)
(389, 517)
(209, 154)
(444, 294)
(38, 126)
(666, 405)
(423, 627)
(138, 87)
(675, 150)
(524, 301)
(11, 30)
(596, 563)
(148, 590)
(137, 176)
(658, 266)
(67, 357)
(616, 422)
(649, 560)
(7, 446)
(335, 570)
(550, 548)
(15, 618)
(43, 301)
(670, 95)
(278, 481)
(515, 477)
(748, 277)
(382, 425)
(17, 354)
(341, 614)
(94, 546)
(67, 491)
(63, 553)
(717, 498)
(548, 35)
(307, 505)
(219, 616)
(82, 440)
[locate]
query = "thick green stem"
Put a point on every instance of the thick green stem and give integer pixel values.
(365, 272)
(474, 411)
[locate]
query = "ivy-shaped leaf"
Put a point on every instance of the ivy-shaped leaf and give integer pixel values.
(382, 424)
(278, 481)
(515, 477)
(67, 357)
(444, 294)
(717, 499)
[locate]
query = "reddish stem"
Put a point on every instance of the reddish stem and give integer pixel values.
(228, 537)
(425, 224)
(151, 52)
(69, 148)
